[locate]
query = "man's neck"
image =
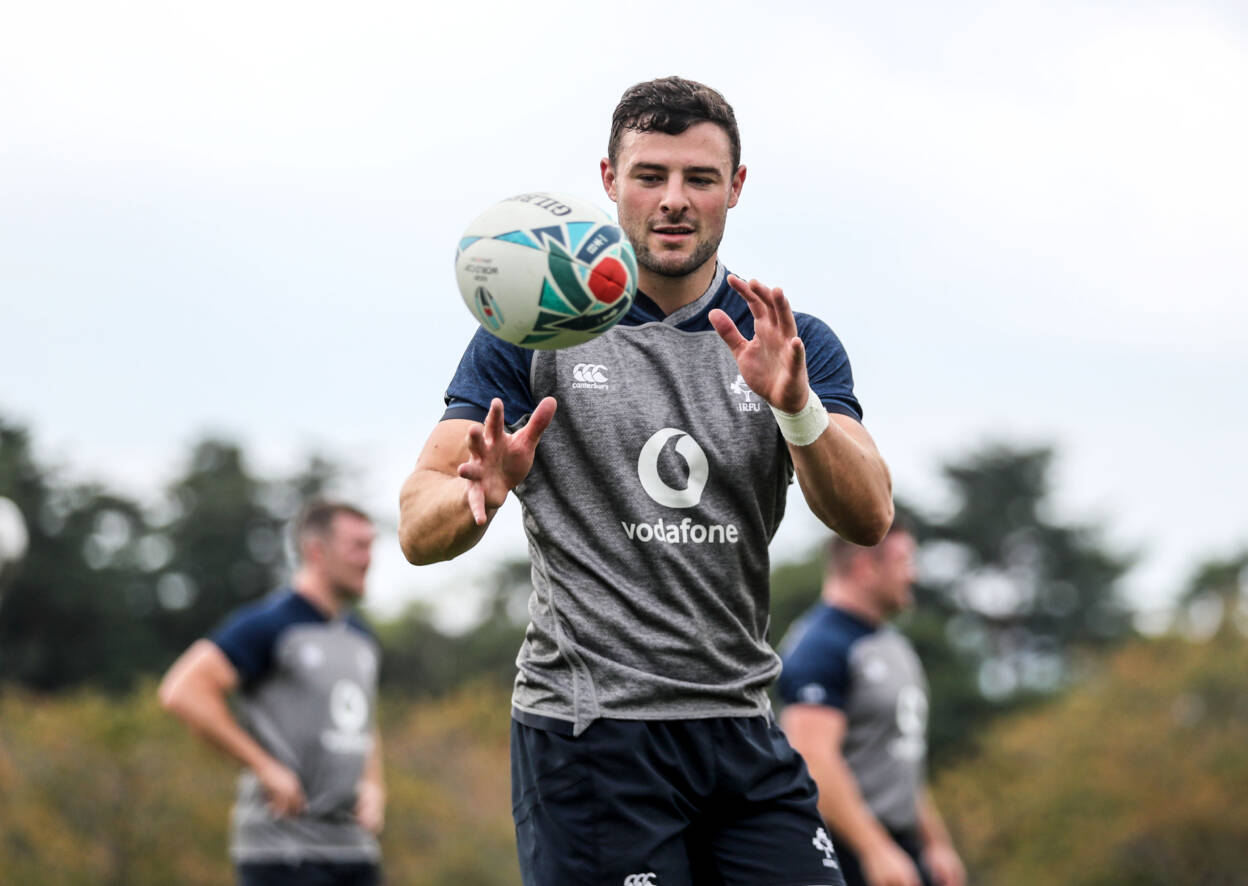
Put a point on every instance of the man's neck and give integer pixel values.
(836, 594)
(673, 293)
(317, 591)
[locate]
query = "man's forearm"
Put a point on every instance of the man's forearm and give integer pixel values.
(846, 482)
(209, 717)
(842, 807)
(435, 522)
(932, 828)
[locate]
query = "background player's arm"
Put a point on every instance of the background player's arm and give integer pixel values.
(370, 802)
(195, 690)
(939, 856)
(842, 475)
(462, 478)
(816, 732)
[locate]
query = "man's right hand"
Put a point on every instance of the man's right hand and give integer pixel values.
(282, 788)
(499, 461)
(888, 865)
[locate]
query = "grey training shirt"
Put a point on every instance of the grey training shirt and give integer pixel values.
(648, 511)
(308, 692)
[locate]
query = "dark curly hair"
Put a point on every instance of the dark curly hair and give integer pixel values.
(671, 105)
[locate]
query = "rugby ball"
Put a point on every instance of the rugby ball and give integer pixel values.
(546, 270)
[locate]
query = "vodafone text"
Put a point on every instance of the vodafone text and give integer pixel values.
(684, 532)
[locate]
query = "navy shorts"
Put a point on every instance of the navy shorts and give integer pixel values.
(667, 803)
(309, 873)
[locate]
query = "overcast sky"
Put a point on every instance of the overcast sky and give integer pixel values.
(1028, 222)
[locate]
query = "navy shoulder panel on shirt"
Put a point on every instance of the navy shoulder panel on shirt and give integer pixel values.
(491, 368)
(816, 662)
(827, 364)
(248, 636)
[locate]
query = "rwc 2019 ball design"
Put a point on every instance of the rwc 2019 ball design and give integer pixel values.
(546, 270)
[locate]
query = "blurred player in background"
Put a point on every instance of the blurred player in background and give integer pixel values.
(643, 751)
(312, 799)
(856, 709)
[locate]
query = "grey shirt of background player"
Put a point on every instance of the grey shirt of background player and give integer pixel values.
(308, 692)
(649, 508)
(872, 674)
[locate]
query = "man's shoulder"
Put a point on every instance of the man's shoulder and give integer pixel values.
(829, 627)
(275, 609)
(248, 635)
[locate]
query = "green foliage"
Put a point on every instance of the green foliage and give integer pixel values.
(448, 777)
(111, 790)
(95, 790)
(420, 660)
(1135, 777)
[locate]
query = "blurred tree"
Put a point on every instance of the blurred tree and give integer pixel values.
(220, 547)
(1216, 596)
(110, 589)
(68, 615)
(418, 659)
(1023, 591)
(224, 540)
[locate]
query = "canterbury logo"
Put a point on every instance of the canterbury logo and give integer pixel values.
(589, 372)
(646, 879)
(648, 469)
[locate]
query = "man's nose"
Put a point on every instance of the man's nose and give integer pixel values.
(675, 201)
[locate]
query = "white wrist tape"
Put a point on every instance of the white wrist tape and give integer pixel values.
(803, 427)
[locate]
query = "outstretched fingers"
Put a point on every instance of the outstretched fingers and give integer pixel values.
(539, 421)
(728, 331)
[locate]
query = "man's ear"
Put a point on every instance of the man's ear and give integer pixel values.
(608, 178)
(738, 181)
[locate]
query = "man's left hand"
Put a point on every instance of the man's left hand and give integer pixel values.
(773, 362)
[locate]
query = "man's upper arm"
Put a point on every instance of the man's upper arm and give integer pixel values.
(814, 727)
(856, 431)
(203, 667)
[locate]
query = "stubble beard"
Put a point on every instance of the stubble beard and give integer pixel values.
(656, 263)
(670, 264)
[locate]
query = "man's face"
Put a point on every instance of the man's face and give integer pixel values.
(348, 549)
(895, 571)
(673, 193)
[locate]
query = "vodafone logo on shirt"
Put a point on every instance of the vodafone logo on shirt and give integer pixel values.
(695, 459)
(684, 531)
(348, 712)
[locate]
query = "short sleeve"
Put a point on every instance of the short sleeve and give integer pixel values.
(247, 639)
(827, 364)
(815, 671)
(489, 368)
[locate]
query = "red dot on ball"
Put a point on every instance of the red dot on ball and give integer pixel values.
(607, 280)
